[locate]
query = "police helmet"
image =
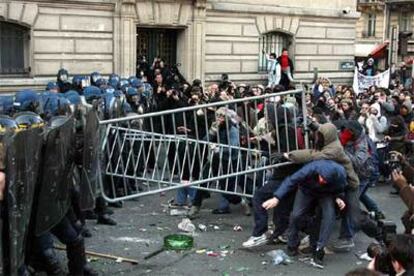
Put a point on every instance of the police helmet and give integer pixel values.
(62, 75)
(77, 81)
(52, 86)
(7, 124)
(92, 93)
(26, 100)
(123, 83)
(108, 89)
(114, 80)
(148, 90)
(135, 82)
(95, 76)
(131, 91)
(73, 97)
(101, 83)
(28, 120)
(108, 104)
(6, 105)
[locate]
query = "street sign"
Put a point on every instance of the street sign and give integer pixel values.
(346, 65)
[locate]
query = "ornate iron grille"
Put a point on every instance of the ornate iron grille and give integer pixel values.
(157, 43)
(14, 41)
(271, 43)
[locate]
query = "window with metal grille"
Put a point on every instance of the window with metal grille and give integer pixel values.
(405, 22)
(272, 42)
(14, 49)
(157, 43)
(372, 19)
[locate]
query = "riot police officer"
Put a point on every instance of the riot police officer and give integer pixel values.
(63, 81)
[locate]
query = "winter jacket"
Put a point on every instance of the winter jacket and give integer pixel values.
(397, 131)
(307, 180)
(332, 150)
(292, 68)
(376, 126)
(283, 130)
(358, 151)
(406, 193)
(226, 134)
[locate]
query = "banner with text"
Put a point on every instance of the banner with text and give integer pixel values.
(362, 82)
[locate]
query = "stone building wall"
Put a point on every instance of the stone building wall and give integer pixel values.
(215, 36)
(78, 36)
(321, 40)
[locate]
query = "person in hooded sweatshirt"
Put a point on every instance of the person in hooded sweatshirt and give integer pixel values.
(396, 134)
(357, 147)
(318, 183)
(329, 147)
(376, 124)
(406, 111)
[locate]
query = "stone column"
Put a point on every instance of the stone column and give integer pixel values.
(197, 36)
(125, 38)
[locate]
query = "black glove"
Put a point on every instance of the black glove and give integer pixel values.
(276, 158)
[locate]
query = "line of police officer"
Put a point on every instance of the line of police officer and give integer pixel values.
(49, 168)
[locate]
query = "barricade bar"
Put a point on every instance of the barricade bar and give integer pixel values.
(218, 147)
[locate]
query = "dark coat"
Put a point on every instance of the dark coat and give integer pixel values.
(332, 150)
(307, 180)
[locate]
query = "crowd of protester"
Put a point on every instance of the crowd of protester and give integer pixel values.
(352, 136)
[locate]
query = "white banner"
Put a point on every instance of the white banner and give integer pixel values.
(362, 82)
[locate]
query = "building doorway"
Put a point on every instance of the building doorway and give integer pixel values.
(152, 43)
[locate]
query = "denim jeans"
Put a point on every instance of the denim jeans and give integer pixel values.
(382, 157)
(348, 228)
(304, 203)
(183, 194)
(354, 219)
(281, 213)
(368, 202)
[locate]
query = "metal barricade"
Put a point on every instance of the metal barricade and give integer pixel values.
(222, 146)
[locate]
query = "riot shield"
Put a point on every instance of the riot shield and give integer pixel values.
(53, 193)
(22, 166)
(90, 161)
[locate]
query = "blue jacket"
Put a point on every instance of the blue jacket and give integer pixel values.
(307, 180)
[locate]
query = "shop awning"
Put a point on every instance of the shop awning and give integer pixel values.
(379, 50)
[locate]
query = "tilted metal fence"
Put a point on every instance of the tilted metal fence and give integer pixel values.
(222, 146)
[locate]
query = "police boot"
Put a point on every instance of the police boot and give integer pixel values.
(371, 228)
(105, 219)
(77, 259)
(51, 264)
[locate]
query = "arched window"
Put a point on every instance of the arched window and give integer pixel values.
(14, 49)
(272, 42)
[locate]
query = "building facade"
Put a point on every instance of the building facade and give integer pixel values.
(206, 37)
(373, 27)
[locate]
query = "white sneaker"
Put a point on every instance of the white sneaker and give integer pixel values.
(255, 241)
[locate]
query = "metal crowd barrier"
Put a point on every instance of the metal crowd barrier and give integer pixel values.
(220, 147)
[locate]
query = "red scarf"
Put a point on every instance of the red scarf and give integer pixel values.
(284, 62)
(345, 136)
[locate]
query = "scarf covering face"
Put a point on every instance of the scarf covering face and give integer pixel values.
(345, 136)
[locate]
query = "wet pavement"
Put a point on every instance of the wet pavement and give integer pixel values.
(143, 223)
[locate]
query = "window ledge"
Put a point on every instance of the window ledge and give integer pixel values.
(8, 84)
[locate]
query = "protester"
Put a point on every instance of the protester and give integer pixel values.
(351, 135)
